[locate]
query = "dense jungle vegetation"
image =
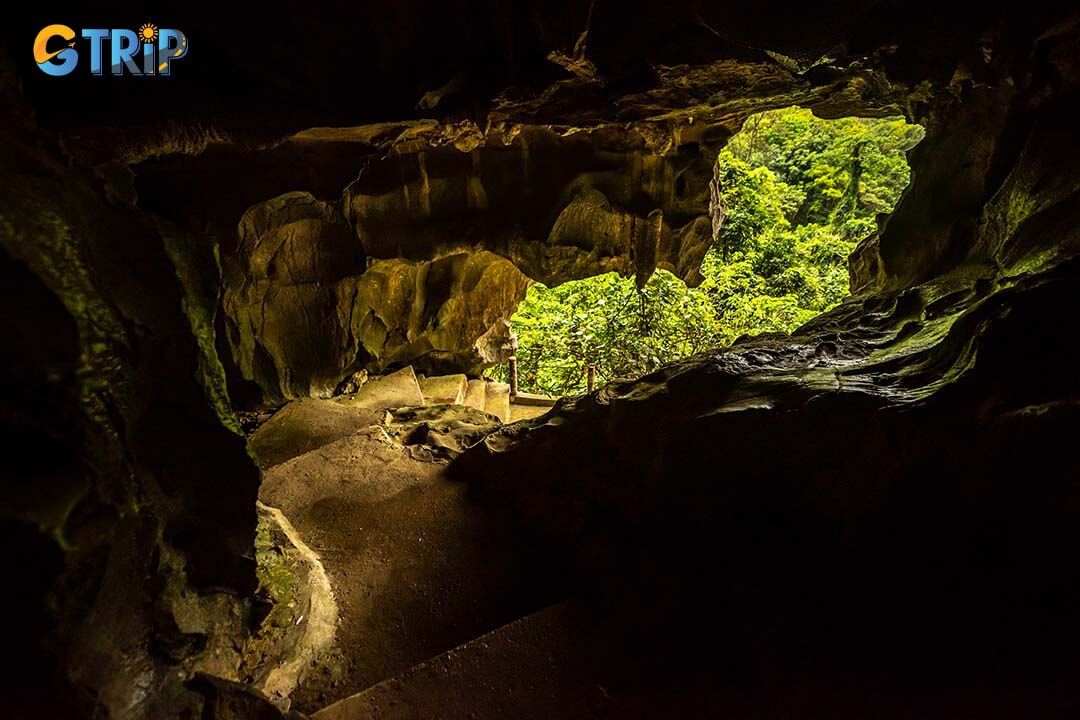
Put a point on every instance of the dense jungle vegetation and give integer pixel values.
(799, 193)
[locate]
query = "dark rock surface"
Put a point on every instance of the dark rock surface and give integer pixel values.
(227, 700)
(129, 495)
(555, 663)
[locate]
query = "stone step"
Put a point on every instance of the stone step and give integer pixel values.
(525, 412)
(444, 389)
(497, 400)
(528, 669)
(398, 389)
(404, 388)
(523, 398)
(476, 394)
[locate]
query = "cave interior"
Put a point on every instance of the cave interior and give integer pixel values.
(868, 517)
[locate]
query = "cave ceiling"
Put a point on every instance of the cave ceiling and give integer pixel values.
(547, 143)
(557, 143)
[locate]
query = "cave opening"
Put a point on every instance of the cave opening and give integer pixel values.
(795, 195)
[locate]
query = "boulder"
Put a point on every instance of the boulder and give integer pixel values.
(439, 432)
(282, 289)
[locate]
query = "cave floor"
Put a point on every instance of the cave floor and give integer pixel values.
(417, 568)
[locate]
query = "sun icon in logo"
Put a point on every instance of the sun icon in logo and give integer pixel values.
(148, 33)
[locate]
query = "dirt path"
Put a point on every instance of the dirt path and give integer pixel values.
(415, 566)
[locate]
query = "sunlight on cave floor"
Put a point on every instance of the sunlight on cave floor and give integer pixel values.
(798, 192)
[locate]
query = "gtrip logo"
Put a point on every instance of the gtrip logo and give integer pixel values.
(149, 51)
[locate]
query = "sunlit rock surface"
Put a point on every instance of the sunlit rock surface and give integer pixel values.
(579, 172)
(304, 310)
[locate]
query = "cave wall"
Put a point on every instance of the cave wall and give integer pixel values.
(304, 308)
(598, 158)
(129, 494)
(994, 160)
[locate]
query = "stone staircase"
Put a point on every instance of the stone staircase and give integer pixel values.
(404, 388)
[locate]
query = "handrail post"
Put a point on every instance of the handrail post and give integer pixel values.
(513, 366)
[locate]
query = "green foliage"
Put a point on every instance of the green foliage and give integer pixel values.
(605, 320)
(799, 193)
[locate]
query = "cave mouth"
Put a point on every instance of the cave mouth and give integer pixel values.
(796, 195)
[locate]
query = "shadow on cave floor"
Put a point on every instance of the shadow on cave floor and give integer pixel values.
(416, 567)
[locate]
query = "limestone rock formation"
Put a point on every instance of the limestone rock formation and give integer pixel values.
(609, 199)
(281, 296)
(303, 310)
(564, 180)
(445, 315)
(901, 463)
(439, 432)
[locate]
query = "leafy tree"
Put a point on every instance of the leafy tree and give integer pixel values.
(606, 321)
(799, 193)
